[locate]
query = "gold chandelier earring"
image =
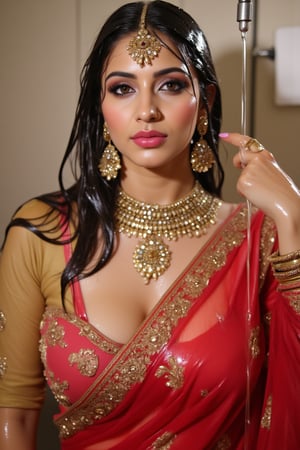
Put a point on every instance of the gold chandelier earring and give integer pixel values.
(110, 162)
(202, 157)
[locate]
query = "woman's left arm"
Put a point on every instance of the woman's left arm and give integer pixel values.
(269, 188)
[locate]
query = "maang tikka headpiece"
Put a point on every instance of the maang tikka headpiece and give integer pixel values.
(143, 47)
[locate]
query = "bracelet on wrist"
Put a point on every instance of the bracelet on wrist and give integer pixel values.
(275, 257)
(286, 268)
(288, 274)
(287, 265)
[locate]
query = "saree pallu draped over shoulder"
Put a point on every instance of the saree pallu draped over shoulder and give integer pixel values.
(181, 381)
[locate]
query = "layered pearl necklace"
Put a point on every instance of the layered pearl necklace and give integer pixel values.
(189, 216)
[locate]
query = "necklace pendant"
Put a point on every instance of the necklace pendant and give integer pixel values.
(151, 258)
(188, 216)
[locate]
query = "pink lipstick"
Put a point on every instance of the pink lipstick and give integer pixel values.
(149, 139)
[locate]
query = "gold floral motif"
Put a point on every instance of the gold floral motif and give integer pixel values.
(131, 369)
(55, 334)
(254, 342)
(85, 329)
(164, 442)
(2, 320)
(133, 359)
(223, 444)
(267, 416)
(58, 388)
(173, 373)
(86, 362)
(3, 366)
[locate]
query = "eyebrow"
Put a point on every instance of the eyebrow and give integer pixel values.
(156, 74)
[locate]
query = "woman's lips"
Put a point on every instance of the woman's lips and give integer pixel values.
(149, 139)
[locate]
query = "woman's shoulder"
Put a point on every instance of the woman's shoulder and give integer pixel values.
(43, 216)
(33, 209)
(226, 210)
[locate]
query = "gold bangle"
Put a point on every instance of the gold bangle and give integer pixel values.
(289, 280)
(276, 258)
(289, 274)
(287, 265)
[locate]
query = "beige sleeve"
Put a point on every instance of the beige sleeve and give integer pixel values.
(21, 308)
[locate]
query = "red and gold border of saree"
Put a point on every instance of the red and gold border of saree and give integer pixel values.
(129, 366)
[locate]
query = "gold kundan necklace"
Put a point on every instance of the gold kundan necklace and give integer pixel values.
(189, 216)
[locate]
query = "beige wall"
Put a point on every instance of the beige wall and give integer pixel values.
(42, 47)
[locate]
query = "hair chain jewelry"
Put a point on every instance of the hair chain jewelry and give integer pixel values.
(143, 47)
(189, 216)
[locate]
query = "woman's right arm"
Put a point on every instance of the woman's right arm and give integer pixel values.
(22, 304)
(18, 428)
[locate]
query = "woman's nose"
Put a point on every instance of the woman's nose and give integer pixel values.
(148, 111)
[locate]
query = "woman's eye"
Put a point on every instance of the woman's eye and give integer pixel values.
(173, 86)
(121, 89)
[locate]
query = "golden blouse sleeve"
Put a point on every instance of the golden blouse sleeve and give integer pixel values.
(21, 309)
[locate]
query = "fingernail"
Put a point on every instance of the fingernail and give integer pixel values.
(223, 135)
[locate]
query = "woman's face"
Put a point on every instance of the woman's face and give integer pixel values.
(151, 112)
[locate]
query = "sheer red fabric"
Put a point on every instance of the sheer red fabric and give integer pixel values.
(181, 380)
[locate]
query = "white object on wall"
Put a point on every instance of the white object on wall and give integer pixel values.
(287, 66)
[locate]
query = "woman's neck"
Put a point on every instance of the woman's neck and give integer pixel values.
(152, 188)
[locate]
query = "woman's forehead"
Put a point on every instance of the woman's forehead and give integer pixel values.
(121, 60)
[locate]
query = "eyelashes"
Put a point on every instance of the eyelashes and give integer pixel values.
(172, 86)
(120, 89)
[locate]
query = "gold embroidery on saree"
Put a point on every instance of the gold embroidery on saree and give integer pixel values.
(43, 350)
(161, 329)
(3, 366)
(2, 321)
(105, 344)
(173, 372)
(294, 299)
(267, 240)
(85, 330)
(58, 388)
(131, 369)
(86, 361)
(267, 416)
(254, 342)
(132, 362)
(55, 334)
(215, 258)
(164, 442)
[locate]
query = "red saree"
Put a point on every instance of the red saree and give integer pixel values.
(181, 380)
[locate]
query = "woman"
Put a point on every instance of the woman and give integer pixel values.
(133, 285)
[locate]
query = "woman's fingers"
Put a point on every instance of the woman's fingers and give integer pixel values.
(248, 148)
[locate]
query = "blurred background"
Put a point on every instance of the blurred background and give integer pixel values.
(43, 45)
